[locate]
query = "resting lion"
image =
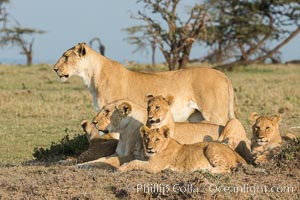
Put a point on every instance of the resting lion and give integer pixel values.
(203, 90)
(166, 153)
(126, 119)
(99, 145)
(266, 139)
(233, 134)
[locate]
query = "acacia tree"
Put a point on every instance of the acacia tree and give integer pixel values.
(16, 36)
(173, 35)
(247, 29)
(3, 13)
(101, 46)
(13, 34)
(140, 36)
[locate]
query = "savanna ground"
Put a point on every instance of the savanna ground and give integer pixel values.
(39, 111)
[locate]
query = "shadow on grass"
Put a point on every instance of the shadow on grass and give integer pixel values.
(64, 148)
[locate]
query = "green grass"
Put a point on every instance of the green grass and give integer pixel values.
(266, 90)
(36, 108)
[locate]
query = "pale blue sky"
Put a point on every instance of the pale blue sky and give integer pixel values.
(68, 22)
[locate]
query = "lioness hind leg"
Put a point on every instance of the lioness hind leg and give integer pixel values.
(234, 136)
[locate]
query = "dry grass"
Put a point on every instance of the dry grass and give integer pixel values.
(268, 89)
(36, 109)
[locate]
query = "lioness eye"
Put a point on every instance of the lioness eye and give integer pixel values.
(267, 128)
(106, 112)
(156, 140)
(157, 108)
(146, 139)
(66, 58)
(257, 127)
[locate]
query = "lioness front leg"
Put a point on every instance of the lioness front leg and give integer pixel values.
(107, 162)
(140, 165)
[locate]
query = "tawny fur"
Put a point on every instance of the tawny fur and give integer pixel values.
(203, 89)
(99, 145)
(233, 134)
(124, 118)
(266, 139)
(166, 153)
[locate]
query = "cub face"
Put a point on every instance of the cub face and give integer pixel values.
(154, 140)
(265, 128)
(69, 63)
(89, 129)
(112, 117)
(158, 108)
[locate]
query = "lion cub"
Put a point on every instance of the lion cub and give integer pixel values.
(266, 139)
(233, 134)
(99, 145)
(166, 153)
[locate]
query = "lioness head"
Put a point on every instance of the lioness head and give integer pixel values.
(70, 62)
(265, 129)
(158, 108)
(112, 117)
(154, 140)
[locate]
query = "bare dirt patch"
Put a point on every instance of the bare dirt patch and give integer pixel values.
(278, 179)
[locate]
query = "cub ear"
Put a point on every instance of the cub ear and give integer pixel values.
(84, 124)
(170, 99)
(277, 118)
(166, 131)
(80, 49)
(148, 97)
(144, 131)
(124, 108)
(253, 117)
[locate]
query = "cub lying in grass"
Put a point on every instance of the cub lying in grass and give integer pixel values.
(266, 139)
(99, 145)
(233, 134)
(166, 153)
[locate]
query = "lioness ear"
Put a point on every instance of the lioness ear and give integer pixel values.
(166, 131)
(124, 108)
(80, 48)
(253, 117)
(144, 131)
(170, 99)
(148, 97)
(277, 118)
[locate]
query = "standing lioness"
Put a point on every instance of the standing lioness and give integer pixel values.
(206, 90)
